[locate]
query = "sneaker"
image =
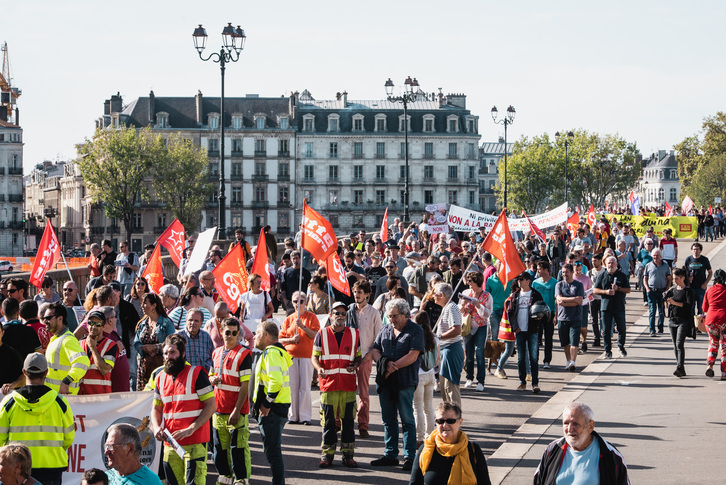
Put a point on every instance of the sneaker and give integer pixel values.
(535, 389)
(385, 461)
(597, 344)
(645, 303)
(580, 351)
(546, 365)
(584, 346)
(677, 372)
(522, 387)
(326, 462)
(306, 423)
(623, 353)
(572, 367)
(709, 372)
(652, 334)
(363, 433)
(683, 371)
(607, 355)
(350, 462)
(500, 374)
(240, 482)
(529, 377)
(480, 387)
(407, 464)
(660, 329)
(468, 384)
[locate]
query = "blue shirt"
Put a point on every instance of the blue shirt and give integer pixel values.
(569, 313)
(499, 293)
(580, 467)
(410, 338)
(143, 476)
(547, 290)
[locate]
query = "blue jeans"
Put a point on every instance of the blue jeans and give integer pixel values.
(655, 303)
(699, 293)
(607, 319)
(528, 346)
(403, 406)
(494, 320)
(474, 347)
(709, 233)
(270, 427)
(133, 366)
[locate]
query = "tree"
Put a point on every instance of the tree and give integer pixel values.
(113, 165)
(694, 153)
(707, 183)
(182, 182)
(529, 175)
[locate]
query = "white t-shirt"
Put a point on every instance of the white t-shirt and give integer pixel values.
(255, 305)
(523, 310)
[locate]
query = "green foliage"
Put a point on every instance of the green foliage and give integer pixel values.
(182, 182)
(707, 183)
(529, 175)
(113, 165)
(695, 154)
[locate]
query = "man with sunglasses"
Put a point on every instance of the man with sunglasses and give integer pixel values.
(102, 353)
(67, 362)
(391, 269)
(18, 289)
(337, 356)
(70, 299)
(230, 376)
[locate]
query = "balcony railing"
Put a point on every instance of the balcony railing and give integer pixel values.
(259, 176)
(236, 203)
(283, 178)
(15, 224)
(380, 155)
(428, 156)
(15, 197)
(15, 170)
(283, 203)
(237, 153)
(2, 170)
(358, 155)
(283, 230)
(212, 153)
(260, 153)
(259, 204)
(284, 154)
(235, 176)
(453, 156)
(113, 230)
(101, 230)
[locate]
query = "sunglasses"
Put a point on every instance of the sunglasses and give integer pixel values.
(12, 290)
(48, 317)
(447, 421)
(94, 323)
(67, 289)
(231, 332)
(339, 313)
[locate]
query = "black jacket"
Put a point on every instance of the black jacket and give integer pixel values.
(613, 470)
(533, 325)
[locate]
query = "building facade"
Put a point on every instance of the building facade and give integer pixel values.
(351, 157)
(11, 188)
(660, 183)
(490, 153)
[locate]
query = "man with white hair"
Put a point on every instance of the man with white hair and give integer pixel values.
(582, 456)
(656, 279)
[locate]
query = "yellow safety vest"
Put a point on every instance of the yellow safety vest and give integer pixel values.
(66, 358)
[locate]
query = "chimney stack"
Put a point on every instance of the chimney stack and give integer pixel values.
(152, 107)
(200, 110)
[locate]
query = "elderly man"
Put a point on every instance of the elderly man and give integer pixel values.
(397, 350)
(612, 286)
(93, 260)
(656, 280)
(127, 264)
(199, 343)
(206, 281)
(123, 452)
(297, 335)
(582, 456)
(70, 299)
(336, 356)
(169, 295)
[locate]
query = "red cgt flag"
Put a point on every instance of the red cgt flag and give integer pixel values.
(318, 236)
(668, 210)
(173, 240)
(591, 219)
(261, 264)
(48, 255)
(384, 227)
(500, 244)
(336, 274)
(536, 230)
(154, 272)
(231, 277)
(573, 223)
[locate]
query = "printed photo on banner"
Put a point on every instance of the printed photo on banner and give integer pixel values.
(436, 219)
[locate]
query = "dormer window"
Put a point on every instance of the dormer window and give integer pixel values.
(403, 122)
(428, 123)
(334, 122)
(452, 124)
(260, 121)
(471, 124)
(284, 122)
(380, 124)
(162, 120)
(237, 122)
(358, 122)
(214, 121)
(308, 122)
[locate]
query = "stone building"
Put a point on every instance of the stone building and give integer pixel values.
(659, 183)
(11, 188)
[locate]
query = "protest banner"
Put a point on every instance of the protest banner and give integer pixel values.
(201, 250)
(94, 415)
(683, 227)
(461, 219)
(436, 220)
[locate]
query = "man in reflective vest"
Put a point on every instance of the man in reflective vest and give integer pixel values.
(231, 365)
(336, 356)
(272, 395)
(184, 399)
(102, 351)
(40, 418)
(67, 362)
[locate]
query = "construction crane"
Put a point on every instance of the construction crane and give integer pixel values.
(8, 93)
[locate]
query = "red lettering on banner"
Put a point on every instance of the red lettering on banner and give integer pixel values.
(231, 276)
(76, 458)
(319, 236)
(79, 420)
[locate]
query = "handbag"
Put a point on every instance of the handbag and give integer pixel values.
(505, 331)
(466, 326)
(701, 323)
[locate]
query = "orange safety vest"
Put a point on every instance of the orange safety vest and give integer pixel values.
(181, 405)
(94, 382)
(226, 392)
(335, 359)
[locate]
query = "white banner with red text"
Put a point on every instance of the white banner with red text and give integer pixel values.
(94, 415)
(461, 219)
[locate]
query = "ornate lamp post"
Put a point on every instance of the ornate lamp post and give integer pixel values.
(568, 142)
(410, 94)
(233, 41)
(506, 121)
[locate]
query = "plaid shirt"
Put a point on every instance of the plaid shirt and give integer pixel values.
(199, 348)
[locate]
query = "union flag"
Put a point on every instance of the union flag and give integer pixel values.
(172, 239)
(500, 244)
(231, 277)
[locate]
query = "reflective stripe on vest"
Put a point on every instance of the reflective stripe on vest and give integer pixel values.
(227, 390)
(181, 404)
(94, 382)
(337, 377)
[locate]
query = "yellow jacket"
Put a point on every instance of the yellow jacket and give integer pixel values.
(66, 359)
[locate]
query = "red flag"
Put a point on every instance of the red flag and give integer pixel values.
(668, 210)
(607, 204)
(231, 277)
(336, 274)
(631, 197)
(153, 272)
(573, 223)
(536, 230)
(261, 264)
(384, 227)
(687, 205)
(615, 206)
(318, 236)
(500, 244)
(48, 255)
(709, 210)
(173, 241)
(577, 208)
(591, 219)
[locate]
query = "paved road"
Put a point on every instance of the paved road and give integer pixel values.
(513, 427)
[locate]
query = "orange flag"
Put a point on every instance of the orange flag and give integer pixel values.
(261, 264)
(384, 227)
(591, 219)
(668, 210)
(173, 241)
(336, 274)
(231, 277)
(154, 272)
(318, 237)
(48, 255)
(573, 223)
(500, 244)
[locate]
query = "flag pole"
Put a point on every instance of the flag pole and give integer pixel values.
(67, 268)
(473, 259)
(302, 266)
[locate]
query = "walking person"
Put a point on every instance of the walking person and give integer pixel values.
(680, 300)
(476, 304)
(656, 279)
(699, 273)
(423, 397)
(525, 324)
(448, 330)
(569, 294)
(714, 305)
(612, 286)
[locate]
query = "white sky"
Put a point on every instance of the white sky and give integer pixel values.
(648, 70)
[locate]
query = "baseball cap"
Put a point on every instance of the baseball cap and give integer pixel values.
(97, 314)
(578, 248)
(115, 285)
(391, 244)
(413, 254)
(35, 362)
(337, 304)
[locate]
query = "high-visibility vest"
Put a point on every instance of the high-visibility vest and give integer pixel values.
(46, 427)
(227, 391)
(335, 359)
(65, 358)
(94, 382)
(272, 361)
(181, 404)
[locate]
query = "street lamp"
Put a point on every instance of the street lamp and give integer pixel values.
(506, 121)
(568, 142)
(233, 41)
(411, 93)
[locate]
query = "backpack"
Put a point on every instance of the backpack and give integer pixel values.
(429, 359)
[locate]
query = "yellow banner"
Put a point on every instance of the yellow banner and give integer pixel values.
(683, 227)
